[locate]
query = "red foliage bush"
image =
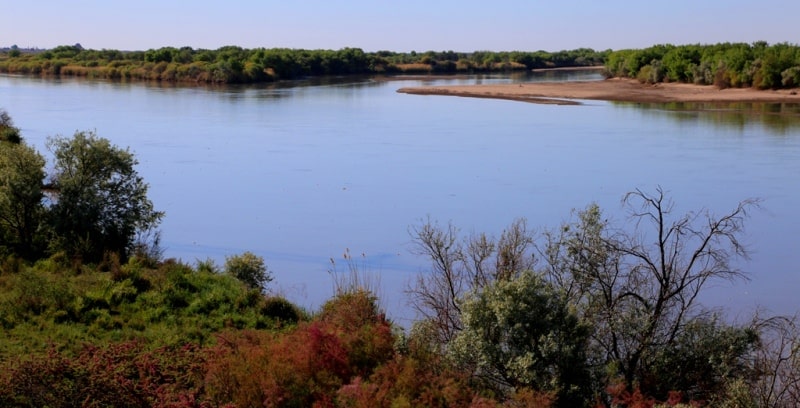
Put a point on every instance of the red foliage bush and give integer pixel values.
(623, 397)
(119, 375)
(304, 367)
(406, 381)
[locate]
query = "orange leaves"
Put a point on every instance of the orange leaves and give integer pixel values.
(306, 366)
(621, 396)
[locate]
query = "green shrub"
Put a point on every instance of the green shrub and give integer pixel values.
(280, 309)
(248, 268)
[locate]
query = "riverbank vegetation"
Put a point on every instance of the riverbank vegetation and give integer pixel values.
(759, 65)
(591, 313)
(725, 65)
(233, 64)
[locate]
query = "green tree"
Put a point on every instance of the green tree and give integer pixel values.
(521, 333)
(248, 268)
(99, 201)
(8, 132)
(21, 211)
(14, 51)
(706, 356)
(678, 62)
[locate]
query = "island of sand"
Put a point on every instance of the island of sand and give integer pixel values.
(621, 90)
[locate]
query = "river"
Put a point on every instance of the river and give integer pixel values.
(300, 174)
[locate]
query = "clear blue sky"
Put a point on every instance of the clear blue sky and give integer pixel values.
(440, 25)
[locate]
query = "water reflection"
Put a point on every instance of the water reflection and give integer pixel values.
(774, 118)
(502, 78)
(564, 75)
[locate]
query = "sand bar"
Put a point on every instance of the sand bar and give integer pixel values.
(622, 90)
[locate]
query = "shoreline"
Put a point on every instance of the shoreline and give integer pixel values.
(616, 90)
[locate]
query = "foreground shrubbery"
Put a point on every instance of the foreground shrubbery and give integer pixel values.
(345, 356)
(206, 345)
(53, 303)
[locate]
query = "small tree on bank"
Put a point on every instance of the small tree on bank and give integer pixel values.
(248, 268)
(99, 200)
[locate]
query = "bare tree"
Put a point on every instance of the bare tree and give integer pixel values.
(776, 363)
(463, 265)
(639, 285)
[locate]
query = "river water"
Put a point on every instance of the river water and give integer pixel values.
(300, 174)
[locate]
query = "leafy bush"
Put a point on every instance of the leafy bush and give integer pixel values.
(521, 333)
(280, 309)
(248, 268)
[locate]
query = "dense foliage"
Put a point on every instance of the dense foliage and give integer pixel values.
(93, 204)
(521, 333)
(21, 209)
(758, 65)
(233, 64)
(99, 200)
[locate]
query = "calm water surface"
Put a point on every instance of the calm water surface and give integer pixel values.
(300, 174)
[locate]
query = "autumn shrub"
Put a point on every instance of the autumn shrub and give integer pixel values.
(419, 374)
(120, 375)
(304, 366)
(236, 367)
(408, 382)
(296, 369)
(362, 328)
(622, 396)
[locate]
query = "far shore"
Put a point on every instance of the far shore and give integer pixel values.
(619, 90)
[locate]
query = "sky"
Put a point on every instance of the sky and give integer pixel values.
(402, 26)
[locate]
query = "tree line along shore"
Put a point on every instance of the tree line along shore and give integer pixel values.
(232, 64)
(758, 65)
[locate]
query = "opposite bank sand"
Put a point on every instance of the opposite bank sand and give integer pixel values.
(621, 90)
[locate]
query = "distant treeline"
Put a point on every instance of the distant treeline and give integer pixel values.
(758, 65)
(233, 64)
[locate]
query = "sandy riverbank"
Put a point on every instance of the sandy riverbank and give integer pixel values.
(622, 90)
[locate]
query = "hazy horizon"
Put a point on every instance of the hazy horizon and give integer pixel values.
(462, 26)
